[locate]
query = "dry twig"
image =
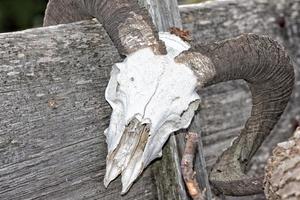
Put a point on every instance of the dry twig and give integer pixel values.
(187, 167)
(183, 34)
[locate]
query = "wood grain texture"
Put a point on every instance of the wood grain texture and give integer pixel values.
(165, 14)
(59, 153)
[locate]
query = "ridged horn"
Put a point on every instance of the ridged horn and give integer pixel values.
(129, 26)
(267, 69)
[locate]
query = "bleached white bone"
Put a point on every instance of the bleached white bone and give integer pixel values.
(151, 96)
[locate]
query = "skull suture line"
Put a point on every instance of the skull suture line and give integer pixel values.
(151, 96)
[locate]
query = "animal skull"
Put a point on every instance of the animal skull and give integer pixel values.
(151, 97)
(143, 117)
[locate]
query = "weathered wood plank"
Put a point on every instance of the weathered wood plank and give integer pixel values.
(165, 14)
(57, 152)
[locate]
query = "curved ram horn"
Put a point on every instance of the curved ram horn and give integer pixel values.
(63, 12)
(264, 65)
(129, 26)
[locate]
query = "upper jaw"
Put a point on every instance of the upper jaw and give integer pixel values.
(128, 151)
(151, 97)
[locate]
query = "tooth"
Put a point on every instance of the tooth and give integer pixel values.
(112, 172)
(129, 175)
(134, 168)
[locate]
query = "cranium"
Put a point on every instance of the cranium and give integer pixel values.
(151, 96)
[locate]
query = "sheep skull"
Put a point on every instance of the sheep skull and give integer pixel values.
(151, 97)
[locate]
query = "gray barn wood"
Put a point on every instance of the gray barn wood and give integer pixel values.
(53, 111)
(165, 14)
(57, 151)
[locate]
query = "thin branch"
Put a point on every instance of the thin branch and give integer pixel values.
(189, 175)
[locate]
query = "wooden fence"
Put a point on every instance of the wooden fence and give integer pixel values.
(53, 112)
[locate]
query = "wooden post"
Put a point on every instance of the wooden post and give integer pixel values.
(165, 14)
(168, 178)
(200, 164)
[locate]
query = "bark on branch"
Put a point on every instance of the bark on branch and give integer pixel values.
(282, 178)
(187, 166)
